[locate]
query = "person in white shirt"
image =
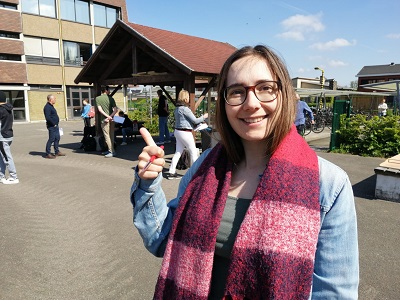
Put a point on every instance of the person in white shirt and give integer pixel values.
(382, 108)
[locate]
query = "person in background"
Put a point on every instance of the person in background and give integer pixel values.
(185, 121)
(85, 112)
(126, 127)
(302, 109)
(6, 138)
(163, 113)
(52, 120)
(260, 215)
(382, 108)
(107, 110)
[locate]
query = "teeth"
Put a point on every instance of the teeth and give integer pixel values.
(254, 120)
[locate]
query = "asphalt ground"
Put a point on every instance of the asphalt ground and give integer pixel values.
(66, 229)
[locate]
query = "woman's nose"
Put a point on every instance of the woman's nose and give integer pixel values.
(251, 101)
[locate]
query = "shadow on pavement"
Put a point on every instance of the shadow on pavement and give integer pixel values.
(36, 153)
(366, 188)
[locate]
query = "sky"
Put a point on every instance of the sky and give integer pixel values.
(338, 36)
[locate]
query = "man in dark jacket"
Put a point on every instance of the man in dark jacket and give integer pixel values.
(163, 113)
(6, 138)
(52, 121)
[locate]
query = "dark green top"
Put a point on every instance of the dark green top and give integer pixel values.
(232, 217)
(107, 103)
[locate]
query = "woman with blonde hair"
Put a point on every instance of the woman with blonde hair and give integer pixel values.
(185, 121)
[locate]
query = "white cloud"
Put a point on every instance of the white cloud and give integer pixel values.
(332, 45)
(292, 35)
(305, 23)
(337, 63)
(301, 70)
(393, 36)
(297, 26)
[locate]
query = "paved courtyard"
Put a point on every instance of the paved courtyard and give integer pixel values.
(66, 230)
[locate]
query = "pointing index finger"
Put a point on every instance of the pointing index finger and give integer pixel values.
(147, 137)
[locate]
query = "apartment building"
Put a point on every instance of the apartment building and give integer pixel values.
(378, 74)
(43, 46)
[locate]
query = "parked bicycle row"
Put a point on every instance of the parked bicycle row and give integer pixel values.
(316, 120)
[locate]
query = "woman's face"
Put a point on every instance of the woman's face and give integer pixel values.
(252, 119)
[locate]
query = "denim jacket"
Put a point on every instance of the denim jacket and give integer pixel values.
(336, 270)
(185, 119)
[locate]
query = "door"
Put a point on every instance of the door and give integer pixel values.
(75, 98)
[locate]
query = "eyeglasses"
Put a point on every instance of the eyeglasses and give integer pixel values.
(265, 91)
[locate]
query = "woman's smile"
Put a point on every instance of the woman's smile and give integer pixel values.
(254, 120)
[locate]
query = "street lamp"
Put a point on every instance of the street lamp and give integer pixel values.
(322, 78)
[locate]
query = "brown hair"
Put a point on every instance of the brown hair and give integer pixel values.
(104, 88)
(284, 116)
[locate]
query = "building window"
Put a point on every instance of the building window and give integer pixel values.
(8, 5)
(17, 99)
(10, 35)
(104, 16)
(41, 51)
(5, 56)
(76, 54)
(75, 10)
(39, 7)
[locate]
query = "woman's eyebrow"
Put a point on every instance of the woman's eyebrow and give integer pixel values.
(257, 82)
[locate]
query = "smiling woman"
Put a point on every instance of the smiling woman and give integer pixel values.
(259, 216)
(261, 66)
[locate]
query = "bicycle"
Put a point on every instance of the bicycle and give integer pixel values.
(304, 129)
(319, 123)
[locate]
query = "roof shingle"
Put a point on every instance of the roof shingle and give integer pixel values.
(379, 70)
(198, 54)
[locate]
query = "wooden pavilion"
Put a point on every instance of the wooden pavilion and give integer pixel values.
(133, 54)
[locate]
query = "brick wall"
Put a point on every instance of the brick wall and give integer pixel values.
(76, 32)
(40, 26)
(44, 74)
(38, 99)
(99, 34)
(10, 21)
(12, 47)
(12, 72)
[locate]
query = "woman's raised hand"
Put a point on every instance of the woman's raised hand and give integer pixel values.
(151, 160)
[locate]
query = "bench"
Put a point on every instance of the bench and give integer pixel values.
(388, 179)
(136, 126)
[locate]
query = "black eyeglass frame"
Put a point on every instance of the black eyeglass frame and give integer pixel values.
(252, 87)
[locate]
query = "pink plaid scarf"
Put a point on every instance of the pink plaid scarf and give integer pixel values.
(274, 251)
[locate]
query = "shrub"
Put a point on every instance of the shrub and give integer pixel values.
(378, 137)
(140, 110)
